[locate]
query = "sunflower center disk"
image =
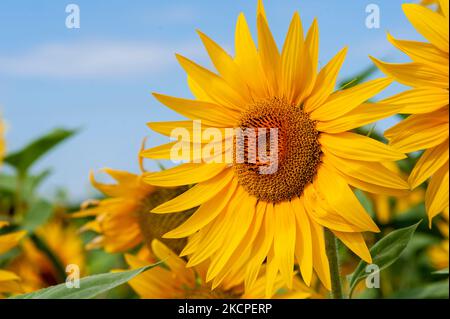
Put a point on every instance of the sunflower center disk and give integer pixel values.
(285, 155)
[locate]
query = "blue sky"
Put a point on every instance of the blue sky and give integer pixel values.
(100, 77)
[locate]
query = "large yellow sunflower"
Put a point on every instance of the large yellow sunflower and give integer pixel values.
(122, 221)
(427, 127)
(276, 217)
(177, 281)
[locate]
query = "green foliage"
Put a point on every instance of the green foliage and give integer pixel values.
(23, 159)
(384, 253)
(38, 214)
(90, 286)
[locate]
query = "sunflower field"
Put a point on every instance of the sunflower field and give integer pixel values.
(276, 170)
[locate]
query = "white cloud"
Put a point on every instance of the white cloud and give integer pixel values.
(95, 59)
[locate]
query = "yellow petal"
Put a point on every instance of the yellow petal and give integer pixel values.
(213, 84)
(177, 265)
(359, 147)
(225, 65)
(422, 52)
(310, 59)
(211, 114)
(205, 213)
(419, 100)
(303, 247)
(184, 174)
(413, 74)
(369, 172)
(356, 243)
(242, 218)
(326, 81)
(436, 198)
(342, 199)
(263, 242)
(321, 265)
(270, 57)
(418, 139)
(291, 57)
(345, 101)
(197, 195)
(10, 240)
(362, 115)
(248, 59)
(430, 24)
(430, 161)
(284, 241)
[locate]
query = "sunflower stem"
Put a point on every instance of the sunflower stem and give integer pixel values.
(333, 260)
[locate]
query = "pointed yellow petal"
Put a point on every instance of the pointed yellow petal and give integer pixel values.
(303, 247)
(197, 195)
(342, 199)
(369, 172)
(320, 258)
(420, 139)
(355, 241)
(430, 161)
(362, 115)
(345, 101)
(225, 65)
(205, 214)
(430, 24)
(184, 174)
(326, 81)
(436, 198)
(248, 59)
(422, 52)
(214, 85)
(310, 60)
(420, 100)
(359, 147)
(291, 59)
(413, 74)
(211, 114)
(11, 240)
(177, 265)
(270, 57)
(284, 241)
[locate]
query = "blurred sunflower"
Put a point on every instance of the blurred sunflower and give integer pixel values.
(277, 217)
(427, 127)
(9, 281)
(177, 281)
(439, 254)
(43, 260)
(123, 220)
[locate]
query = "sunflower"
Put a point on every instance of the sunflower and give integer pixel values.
(9, 281)
(427, 102)
(122, 220)
(177, 281)
(439, 254)
(39, 270)
(276, 217)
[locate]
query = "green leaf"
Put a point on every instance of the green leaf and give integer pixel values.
(90, 286)
(37, 215)
(8, 183)
(430, 291)
(441, 272)
(24, 158)
(384, 253)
